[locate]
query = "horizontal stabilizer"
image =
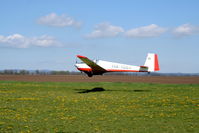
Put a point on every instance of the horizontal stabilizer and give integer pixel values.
(143, 67)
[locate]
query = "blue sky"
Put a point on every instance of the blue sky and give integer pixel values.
(49, 34)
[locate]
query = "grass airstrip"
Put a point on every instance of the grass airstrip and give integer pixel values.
(98, 107)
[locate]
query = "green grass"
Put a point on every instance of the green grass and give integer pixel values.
(122, 107)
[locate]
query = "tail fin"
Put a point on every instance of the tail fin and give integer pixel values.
(152, 62)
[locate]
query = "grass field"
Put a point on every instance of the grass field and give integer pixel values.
(98, 107)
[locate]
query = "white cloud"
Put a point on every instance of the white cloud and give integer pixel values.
(20, 41)
(152, 30)
(185, 30)
(104, 30)
(58, 21)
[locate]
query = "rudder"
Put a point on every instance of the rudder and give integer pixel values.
(152, 62)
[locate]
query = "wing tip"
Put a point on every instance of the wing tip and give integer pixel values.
(80, 56)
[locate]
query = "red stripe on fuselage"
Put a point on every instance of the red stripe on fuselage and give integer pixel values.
(111, 70)
(117, 70)
(85, 69)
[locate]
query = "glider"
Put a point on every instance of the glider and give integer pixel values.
(99, 67)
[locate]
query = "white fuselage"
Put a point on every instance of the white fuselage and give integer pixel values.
(111, 67)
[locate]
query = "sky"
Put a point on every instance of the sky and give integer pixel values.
(48, 34)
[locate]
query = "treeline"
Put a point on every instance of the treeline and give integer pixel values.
(53, 72)
(37, 72)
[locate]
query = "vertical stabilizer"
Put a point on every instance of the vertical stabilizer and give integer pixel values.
(152, 62)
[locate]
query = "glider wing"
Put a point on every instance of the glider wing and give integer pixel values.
(95, 67)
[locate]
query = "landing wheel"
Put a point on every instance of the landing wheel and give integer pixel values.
(90, 75)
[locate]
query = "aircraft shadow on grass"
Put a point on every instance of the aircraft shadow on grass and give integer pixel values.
(101, 89)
